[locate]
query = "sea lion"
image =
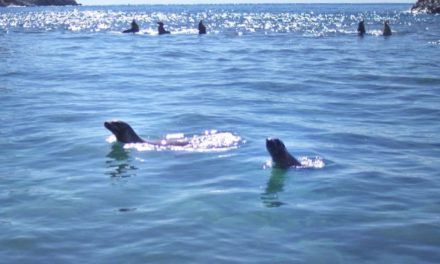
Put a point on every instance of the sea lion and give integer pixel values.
(134, 28)
(280, 156)
(361, 28)
(125, 134)
(161, 30)
(202, 28)
(386, 29)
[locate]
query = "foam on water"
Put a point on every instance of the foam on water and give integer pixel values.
(209, 141)
(306, 163)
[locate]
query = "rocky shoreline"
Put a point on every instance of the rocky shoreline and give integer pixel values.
(37, 2)
(428, 6)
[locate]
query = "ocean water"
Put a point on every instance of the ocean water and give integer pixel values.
(369, 108)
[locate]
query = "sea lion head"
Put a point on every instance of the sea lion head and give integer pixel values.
(280, 156)
(276, 148)
(122, 131)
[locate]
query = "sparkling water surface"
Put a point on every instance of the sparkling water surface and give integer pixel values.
(369, 108)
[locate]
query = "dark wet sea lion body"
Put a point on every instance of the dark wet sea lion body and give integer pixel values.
(124, 133)
(134, 28)
(280, 156)
(361, 28)
(386, 29)
(202, 28)
(161, 30)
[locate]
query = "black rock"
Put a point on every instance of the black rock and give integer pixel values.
(428, 6)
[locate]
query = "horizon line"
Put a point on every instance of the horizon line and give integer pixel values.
(264, 3)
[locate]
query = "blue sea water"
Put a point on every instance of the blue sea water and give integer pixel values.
(368, 107)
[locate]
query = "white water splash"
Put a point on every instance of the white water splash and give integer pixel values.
(209, 141)
(111, 139)
(313, 163)
(306, 163)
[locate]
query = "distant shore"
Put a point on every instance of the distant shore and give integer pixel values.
(37, 2)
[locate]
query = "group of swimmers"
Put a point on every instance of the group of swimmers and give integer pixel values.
(386, 28)
(160, 29)
(202, 29)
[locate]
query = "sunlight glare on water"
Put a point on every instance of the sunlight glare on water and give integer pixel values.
(219, 19)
